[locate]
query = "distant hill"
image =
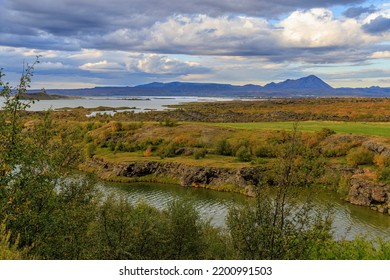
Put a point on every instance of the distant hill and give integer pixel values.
(43, 96)
(310, 86)
(309, 82)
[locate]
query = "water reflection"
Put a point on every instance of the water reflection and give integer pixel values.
(349, 220)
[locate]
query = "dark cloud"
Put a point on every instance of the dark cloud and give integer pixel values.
(378, 25)
(355, 12)
(66, 17)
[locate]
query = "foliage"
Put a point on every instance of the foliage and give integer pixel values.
(8, 251)
(168, 122)
(360, 248)
(385, 174)
(359, 156)
(223, 147)
(381, 161)
(200, 153)
(185, 236)
(344, 185)
(243, 154)
(148, 151)
(264, 151)
(324, 133)
(278, 225)
(90, 151)
(168, 149)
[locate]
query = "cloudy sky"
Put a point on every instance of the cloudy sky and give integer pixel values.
(87, 43)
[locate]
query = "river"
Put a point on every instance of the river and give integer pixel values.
(349, 220)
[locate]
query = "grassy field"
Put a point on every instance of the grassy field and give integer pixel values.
(362, 128)
(209, 161)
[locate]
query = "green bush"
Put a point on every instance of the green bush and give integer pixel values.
(264, 151)
(385, 174)
(200, 153)
(324, 133)
(168, 150)
(223, 147)
(91, 148)
(169, 122)
(360, 156)
(243, 154)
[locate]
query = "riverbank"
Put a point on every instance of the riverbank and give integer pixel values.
(237, 180)
(359, 188)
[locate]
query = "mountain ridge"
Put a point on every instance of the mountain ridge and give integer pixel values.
(309, 86)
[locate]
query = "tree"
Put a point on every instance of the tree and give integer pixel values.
(38, 202)
(279, 226)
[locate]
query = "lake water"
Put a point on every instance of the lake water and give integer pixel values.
(349, 220)
(142, 103)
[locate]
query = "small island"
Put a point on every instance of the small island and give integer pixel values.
(42, 95)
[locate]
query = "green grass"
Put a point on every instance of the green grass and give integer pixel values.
(362, 128)
(210, 160)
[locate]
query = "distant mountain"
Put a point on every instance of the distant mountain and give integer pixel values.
(309, 82)
(310, 86)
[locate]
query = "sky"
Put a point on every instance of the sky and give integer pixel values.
(88, 43)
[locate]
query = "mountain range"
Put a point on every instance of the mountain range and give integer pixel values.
(310, 86)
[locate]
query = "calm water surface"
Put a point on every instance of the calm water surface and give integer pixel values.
(349, 220)
(142, 103)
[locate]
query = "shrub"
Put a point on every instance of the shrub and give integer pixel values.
(344, 185)
(116, 126)
(223, 147)
(243, 154)
(264, 151)
(169, 122)
(381, 161)
(91, 148)
(385, 174)
(324, 133)
(200, 153)
(111, 145)
(168, 150)
(148, 151)
(360, 156)
(120, 147)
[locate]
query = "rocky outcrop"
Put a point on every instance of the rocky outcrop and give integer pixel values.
(363, 191)
(368, 193)
(240, 179)
(377, 148)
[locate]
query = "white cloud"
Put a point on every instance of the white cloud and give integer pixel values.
(101, 66)
(318, 28)
(198, 34)
(46, 54)
(157, 64)
(52, 65)
(384, 12)
(87, 54)
(384, 54)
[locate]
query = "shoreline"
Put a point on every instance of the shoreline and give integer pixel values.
(360, 191)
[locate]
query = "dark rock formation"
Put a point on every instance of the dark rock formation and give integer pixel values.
(363, 191)
(368, 193)
(377, 148)
(190, 176)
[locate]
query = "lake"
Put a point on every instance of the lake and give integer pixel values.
(142, 103)
(349, 220)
